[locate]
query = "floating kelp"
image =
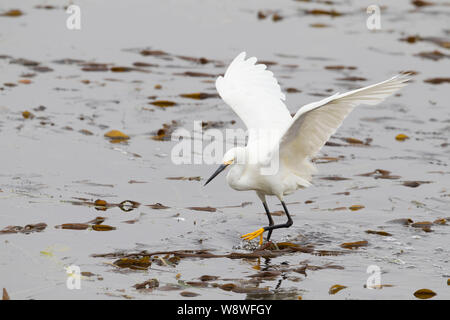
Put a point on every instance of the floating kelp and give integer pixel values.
(5, 295)
(379, 232)
(157, 206)
(196, 74)
(165, 133)
(199, 95)
(336, 288)
(116, 135)
(133, 263)
(102, 205)
(415, 184)
(163, 103)
(380, 174)
(29, 228)
(435, 55)
(355, 245)
(437, 80)
(185, 178)
(14, 13)
(331, 13)
(424, 294)
(149, 284)
(207, 209)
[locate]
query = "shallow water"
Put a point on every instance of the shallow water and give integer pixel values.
(52, 170)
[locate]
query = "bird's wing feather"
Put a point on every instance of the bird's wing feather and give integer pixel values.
(254, 94)
(314, 123)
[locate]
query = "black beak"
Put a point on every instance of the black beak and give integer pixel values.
(221, 168)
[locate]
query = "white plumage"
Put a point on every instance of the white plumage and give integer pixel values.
(256, 97)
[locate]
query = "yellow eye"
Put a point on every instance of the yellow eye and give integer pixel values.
(228, 162)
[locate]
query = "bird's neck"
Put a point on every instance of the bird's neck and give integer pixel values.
(235, 177)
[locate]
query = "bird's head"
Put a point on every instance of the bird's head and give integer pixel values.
(232, 157)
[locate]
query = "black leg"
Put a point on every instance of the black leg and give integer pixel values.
(289, 222)
(284, 225)
(271, 223)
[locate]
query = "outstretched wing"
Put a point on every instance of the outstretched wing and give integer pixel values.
(255, 95)
(314, 123)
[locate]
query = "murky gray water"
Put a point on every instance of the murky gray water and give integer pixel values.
(57, 161)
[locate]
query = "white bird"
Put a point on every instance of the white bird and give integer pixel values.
(275, 137)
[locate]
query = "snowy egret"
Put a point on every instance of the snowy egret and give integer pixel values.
(255, 96)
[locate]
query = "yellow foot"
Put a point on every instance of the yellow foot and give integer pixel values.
(253, 235)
